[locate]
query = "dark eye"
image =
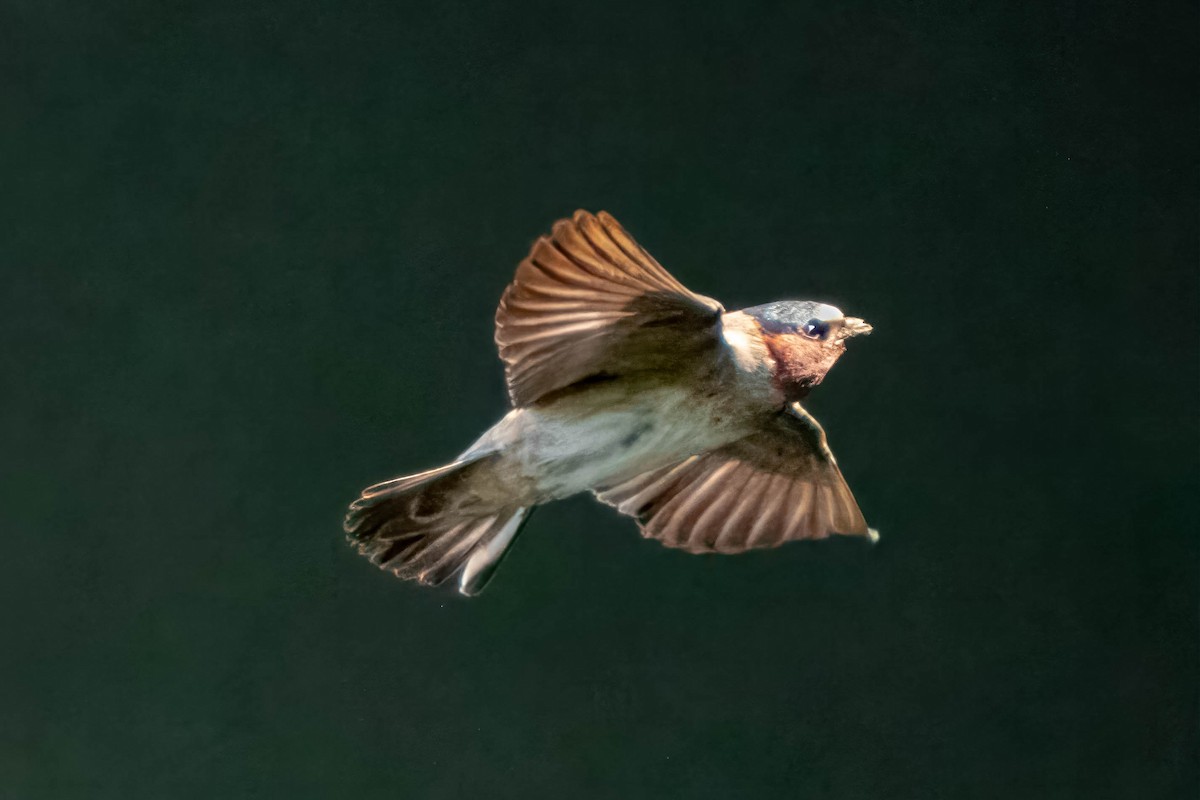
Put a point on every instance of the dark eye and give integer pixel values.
(816, 329)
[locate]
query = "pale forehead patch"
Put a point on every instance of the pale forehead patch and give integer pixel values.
(827, 313)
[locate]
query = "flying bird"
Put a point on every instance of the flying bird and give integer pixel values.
(624, 383)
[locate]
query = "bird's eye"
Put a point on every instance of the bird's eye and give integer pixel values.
(815, 329)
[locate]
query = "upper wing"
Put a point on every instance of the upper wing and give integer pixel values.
(588, 301)
(778, 485)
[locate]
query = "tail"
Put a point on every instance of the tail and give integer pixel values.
(430, 526)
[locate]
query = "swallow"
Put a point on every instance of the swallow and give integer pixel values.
(624, 383)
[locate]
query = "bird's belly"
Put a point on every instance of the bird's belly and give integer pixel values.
(566, 452)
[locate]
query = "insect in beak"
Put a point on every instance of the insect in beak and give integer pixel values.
(853, 326)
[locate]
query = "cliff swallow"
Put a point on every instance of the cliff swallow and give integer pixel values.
(680, 414)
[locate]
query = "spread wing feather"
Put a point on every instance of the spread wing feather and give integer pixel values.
(589, 301)
(778, 485)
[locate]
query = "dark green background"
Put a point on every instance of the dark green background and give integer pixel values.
(251, 254)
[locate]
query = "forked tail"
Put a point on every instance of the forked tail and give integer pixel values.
(430, 526)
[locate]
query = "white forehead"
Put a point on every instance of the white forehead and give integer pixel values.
(827, 313)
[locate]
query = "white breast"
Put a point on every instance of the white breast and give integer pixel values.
(566, 452)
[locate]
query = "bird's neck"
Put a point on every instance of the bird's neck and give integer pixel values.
(748, 367)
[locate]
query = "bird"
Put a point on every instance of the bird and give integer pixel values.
(626, 384)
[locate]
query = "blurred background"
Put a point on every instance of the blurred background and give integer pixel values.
(251, 253)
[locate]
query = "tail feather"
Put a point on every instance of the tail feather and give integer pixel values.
(430, 526)
(485, 559)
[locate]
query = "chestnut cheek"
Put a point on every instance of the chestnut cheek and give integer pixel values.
(800, 363)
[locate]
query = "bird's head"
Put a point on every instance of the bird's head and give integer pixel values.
(804, 339)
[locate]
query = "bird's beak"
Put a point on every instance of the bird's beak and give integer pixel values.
(853, 326)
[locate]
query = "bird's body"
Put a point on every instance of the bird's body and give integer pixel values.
(599, 438)
(610, 430)
(628, 385)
